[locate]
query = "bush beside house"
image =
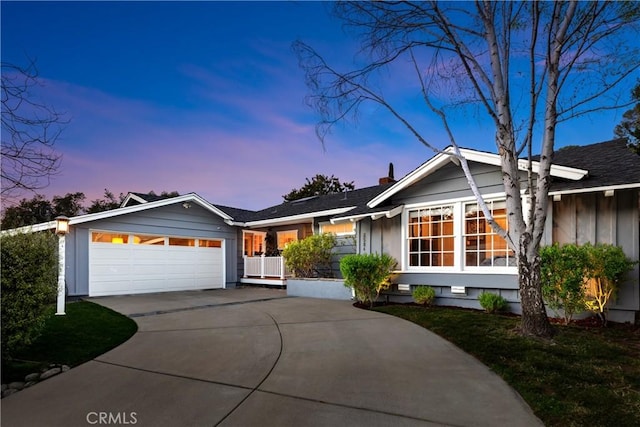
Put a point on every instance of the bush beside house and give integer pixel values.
(28, 278)
(367, 275)
(575, 278)
(311, 257)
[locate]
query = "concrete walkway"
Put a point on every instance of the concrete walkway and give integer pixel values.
(253, 357)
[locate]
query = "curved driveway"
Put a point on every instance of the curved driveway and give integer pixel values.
(253, 357)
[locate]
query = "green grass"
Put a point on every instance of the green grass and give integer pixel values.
(85, 332)
(583, 377)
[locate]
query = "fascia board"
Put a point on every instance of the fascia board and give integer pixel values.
(374, 216)
(440, 159)
(192, 197)
(595, 189)
(43, 226)
(300, 217)
(559, 171)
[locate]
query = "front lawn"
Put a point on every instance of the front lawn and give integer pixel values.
(583, 377)
(85, 332)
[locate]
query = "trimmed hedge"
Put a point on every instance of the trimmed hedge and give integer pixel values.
(28, 281)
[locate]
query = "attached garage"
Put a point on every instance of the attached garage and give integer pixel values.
(171, 244)
(131, 263)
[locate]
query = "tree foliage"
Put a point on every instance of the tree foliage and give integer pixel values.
(29, 132)
(629, 127)
(318, 185)
(523, 67)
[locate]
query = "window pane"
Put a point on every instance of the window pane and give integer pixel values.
(179, 241)
(140, 239)
(431, 237)
(203, 243)
(338, 229)
(484, 247)
(115, 238)
(285, 237)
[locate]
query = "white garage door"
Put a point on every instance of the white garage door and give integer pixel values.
(136, 263)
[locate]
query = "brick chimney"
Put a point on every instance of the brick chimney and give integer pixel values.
(389, 178)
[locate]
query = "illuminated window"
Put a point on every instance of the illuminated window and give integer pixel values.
(285, 237)
(482, 246)
(115, 238)
(140, 239)
(341, 229)
(431, 237)
(179, 241)
(204, 243)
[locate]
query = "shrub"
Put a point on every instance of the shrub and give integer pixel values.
(606, 266)
(492, 303)
(310, 257)
(367, 275)
(28, 281)
(424, 295)
(563, 271)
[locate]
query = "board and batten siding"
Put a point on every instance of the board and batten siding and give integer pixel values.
(171, 220)
(595, 218)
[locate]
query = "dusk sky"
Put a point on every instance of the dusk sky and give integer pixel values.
(208, 97)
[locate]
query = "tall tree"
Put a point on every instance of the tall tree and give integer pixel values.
(27, 212)
(528, 66)
(107, 203)
(318, 185)
(629, 127)
(38, 209)
(29, 132)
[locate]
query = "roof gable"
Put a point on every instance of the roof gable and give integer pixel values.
(447, 156)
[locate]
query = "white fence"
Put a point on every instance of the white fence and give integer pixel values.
(265, 266)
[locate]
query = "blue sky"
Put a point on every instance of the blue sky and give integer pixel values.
(207, 97)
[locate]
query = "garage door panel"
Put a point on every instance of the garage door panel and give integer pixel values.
(116, 269)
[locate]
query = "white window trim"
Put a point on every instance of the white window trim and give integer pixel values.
(458, 245)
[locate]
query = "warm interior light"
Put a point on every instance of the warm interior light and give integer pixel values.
(62, 225)
(117, 240)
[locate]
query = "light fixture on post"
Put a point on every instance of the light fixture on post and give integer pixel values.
(62, 228)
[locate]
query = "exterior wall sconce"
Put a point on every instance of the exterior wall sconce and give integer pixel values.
(62, 229)
(62, 225)
(186, 205)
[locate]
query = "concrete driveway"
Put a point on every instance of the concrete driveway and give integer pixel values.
(253, 357)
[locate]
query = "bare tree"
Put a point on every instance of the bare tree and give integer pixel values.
(29, 132)
(527, 66)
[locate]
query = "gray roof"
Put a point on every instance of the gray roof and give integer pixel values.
(610, 163)
(354, 198)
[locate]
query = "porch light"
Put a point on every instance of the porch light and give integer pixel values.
(62, 225)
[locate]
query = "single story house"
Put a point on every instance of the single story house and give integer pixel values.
(428, 221)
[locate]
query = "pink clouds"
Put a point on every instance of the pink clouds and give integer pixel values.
(128, 145)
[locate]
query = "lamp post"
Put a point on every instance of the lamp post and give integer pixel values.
(62, 228)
